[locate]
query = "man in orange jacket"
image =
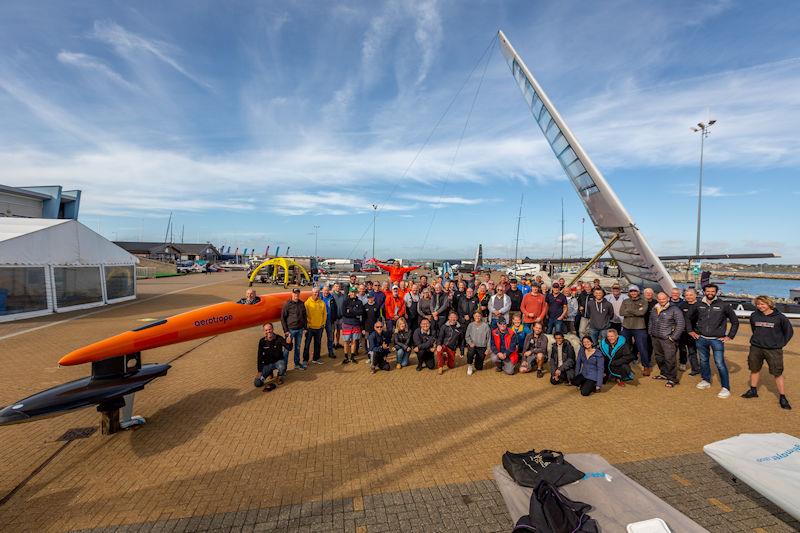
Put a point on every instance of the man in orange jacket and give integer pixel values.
(534, 306)
(395, 308)
(396, 272)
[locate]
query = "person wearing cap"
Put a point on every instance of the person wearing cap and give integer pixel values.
(378, 347)
(616, 298)
(316, 317)
(503, 348)
(634, 327)
(557, 309)
(515, 294)
(394, 308)
(352, 316)
(534, 306)
(525, 286)
(293, 321)
(373, 313)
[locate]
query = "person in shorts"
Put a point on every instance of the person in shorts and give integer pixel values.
(352, 315)
(771, 332)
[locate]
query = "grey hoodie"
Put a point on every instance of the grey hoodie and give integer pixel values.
(478, 334)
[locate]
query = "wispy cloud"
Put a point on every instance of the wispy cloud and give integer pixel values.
(328, 203)
(431, 198)
(90, 63)
(713, 191)
(128, 44)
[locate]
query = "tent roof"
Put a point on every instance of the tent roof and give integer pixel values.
(36, 241)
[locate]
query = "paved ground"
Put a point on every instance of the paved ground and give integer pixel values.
(337, 448)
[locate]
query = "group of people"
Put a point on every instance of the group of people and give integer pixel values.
(508, 321)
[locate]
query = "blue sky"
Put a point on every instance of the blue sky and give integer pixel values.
(253, 121)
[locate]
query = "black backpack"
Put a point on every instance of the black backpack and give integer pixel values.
(552, 512)
(529, 468)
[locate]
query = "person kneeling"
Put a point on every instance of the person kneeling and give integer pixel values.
(477, 340)
(504, 348)
(378, 345)
(618, 357)
(448, 340)
(562, 360)
(270, 358)
(534, 351)
(588, 368)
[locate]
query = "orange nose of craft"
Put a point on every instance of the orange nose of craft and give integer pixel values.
(198, 323)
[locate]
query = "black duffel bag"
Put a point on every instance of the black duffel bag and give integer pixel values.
(552, 512)
(529, 468)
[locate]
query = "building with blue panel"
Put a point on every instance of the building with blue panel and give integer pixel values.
(49, 201)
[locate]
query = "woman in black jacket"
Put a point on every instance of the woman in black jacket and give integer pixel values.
(401, 340)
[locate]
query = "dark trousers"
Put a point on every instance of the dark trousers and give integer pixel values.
(425, 358)
(330, 327)
(640, 342)
(587, 386)
(315, 334)
(688, 353)
(666, 352)
(379, 359)
(475, 356)
(578, 325)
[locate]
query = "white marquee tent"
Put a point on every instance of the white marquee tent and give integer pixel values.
(51, 265)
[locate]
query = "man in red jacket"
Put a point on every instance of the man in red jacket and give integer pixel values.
(395, 307)
(396, 272)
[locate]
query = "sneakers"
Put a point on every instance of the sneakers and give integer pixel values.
(470, 370)
(345, 360)
(498, 369)
(724, 393)
(373, 369)
(751, 393)
(539, 373)
(258, 382)
(441, 370)
(682, 368)
(300, 367)
(419, 368)
(784, 403)
(269, 387)
(694, 373)
(331, 355)
(398, 366)
(620, 383)
(704, 385)
(353, 359)
(318, 361)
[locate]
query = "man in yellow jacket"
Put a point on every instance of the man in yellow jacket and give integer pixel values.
(316, 315)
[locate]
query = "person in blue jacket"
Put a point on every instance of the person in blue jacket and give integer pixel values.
(618, 357)
(589, 368)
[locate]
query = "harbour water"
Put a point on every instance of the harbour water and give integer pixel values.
(771, 287)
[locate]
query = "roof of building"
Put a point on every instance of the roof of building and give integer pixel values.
(159, 247)
(37, 241)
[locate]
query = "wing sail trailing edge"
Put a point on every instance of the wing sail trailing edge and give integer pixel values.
(636, 260)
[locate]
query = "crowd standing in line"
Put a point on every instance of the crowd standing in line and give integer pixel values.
(521, 328)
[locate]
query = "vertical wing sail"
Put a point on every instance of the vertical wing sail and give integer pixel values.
(636, 260)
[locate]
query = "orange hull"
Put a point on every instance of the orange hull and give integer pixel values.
(196, 324)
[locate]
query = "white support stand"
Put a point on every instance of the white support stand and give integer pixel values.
(128, 420)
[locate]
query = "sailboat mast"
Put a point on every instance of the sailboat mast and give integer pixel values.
(519, 218)
(562, 235)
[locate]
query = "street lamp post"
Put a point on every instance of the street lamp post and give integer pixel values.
(703, 128)
(583, 220)
(316, 234)
(374, 216)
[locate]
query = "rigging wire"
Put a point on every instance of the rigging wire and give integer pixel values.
(488, 48)
(458, 147)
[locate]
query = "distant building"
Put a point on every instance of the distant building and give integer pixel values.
(51, 202)
(171, 252)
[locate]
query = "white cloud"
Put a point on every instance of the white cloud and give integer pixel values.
(128, 44)
(431, 198)
(88, 62)
(713, 191)
(329, 203)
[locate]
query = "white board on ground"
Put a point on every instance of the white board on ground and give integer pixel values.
(768, 462)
